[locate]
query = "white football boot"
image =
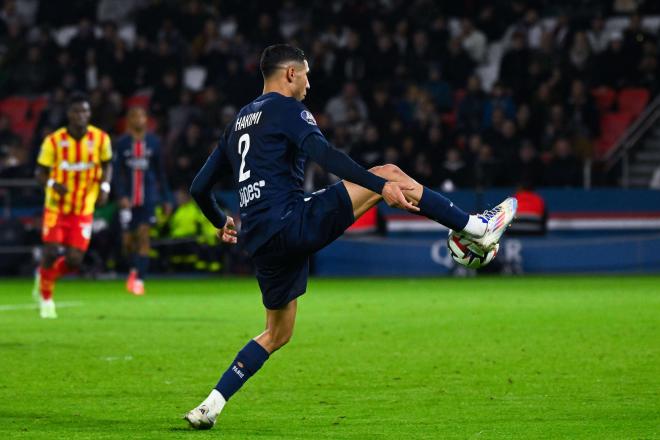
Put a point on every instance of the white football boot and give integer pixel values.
(47, 309)
(497, 220)
(205, 415)
(199, 418)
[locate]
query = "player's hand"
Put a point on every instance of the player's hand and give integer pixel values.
(394, 197)
(167, 209)
(60, 188)
(228, 234)
(124, 203)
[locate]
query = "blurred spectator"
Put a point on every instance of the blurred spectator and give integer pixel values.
(514, 65)
(473, 41)
(581, 112)
(390, 82)
(456, 64)
(190, 152)
(598, 37)
(166, 93)
(528, 166)
(31, 75)
(454, 172)
(580, 58)
(634, 38)
(613, 65)
(564, 168)
(471, 108)
(487, 169)
(338, 108)
(439, 89)
(498, 99)
(106, 105)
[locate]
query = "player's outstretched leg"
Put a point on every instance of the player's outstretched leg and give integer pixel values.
(485, 228)
(279, 329)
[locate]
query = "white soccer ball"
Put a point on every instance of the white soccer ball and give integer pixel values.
(467, 253)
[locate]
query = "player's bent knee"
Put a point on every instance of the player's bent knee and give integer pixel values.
(74, 260)
(388, 171)
(48, 255)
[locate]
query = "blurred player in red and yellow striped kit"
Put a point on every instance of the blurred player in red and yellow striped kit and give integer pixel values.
(74, 167)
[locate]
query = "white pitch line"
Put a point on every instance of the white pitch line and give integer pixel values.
(59, 305)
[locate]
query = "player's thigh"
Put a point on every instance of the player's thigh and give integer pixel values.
(78, 233)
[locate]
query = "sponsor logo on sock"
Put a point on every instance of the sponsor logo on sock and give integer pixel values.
(237, 371)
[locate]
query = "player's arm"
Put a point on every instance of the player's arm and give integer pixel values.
(41, 174)
(339, 164)
(106, 177)
(202, 191)
(45, 161)
(106, 169)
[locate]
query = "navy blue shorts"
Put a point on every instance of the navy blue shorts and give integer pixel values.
(282, 263)
(142, 215)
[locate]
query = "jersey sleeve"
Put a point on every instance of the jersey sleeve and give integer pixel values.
(47, 153)
(298, 122)
(106, 148)
(202, 186)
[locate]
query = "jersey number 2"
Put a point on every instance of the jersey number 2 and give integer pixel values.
(243, 148)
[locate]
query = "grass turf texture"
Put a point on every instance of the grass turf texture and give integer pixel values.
(490, 358)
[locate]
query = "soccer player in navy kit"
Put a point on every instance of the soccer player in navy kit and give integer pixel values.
(140, 184)
(266, 147)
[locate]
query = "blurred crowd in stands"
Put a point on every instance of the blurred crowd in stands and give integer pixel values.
(469, 94)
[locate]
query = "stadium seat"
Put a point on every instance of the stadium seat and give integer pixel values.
(612, 127)
(137, 101)
(25, 129)
(15, 107)
(37, 106)
(633, 100)
(605, 98)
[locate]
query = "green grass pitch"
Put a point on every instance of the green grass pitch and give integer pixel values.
(485, 358)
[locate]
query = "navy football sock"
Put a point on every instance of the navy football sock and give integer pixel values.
(247, 362)
(141, 265)
(440, 209)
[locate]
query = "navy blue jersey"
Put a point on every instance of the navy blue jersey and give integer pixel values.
(138, 170)
(263, 147)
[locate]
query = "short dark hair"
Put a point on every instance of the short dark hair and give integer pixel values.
(273, 56)
(75, 98)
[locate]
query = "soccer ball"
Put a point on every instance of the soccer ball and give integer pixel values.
(467, 253)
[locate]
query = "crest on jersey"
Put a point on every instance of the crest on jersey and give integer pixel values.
(307, 117)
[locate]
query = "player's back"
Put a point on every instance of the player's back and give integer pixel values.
(263, 148)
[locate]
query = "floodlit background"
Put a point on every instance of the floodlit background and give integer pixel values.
(478, 98)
